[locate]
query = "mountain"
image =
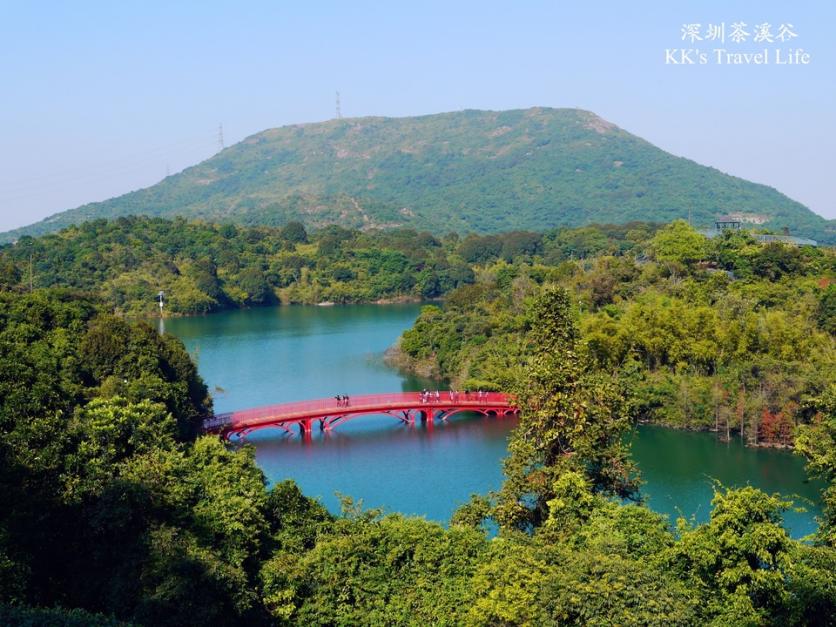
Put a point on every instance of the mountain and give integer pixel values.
(482, 171)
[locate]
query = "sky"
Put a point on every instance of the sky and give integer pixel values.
(101, 98)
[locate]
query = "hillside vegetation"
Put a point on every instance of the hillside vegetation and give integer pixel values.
(468, 171)
(726, 334)
(206, 267)
(114, 508)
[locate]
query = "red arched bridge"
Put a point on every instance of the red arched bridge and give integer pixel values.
(328, 413)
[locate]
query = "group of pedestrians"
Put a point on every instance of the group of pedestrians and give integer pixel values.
(481, 395)
(428, 396)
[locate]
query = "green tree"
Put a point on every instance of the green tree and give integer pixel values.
(106, 433)
(775, 260)
(740, 561)
(255, 286)
(570, 421)
(678, 243)
(391, 570)
(817, 442)
(295, 232)
(10, 274)
(826, 314)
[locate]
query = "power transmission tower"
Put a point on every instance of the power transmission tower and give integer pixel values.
(339, 113)
(220, 136)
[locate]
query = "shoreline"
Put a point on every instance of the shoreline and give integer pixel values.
(398, 300)
(395, 358)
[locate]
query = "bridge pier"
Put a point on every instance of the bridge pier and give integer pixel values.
(305, 429)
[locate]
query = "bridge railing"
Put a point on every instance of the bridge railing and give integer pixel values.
(301, 409)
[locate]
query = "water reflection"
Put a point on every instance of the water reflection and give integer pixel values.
(425, 469)
(262, 356)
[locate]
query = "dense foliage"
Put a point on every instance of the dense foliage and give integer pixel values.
(204, 267)
(111, 509)
(572, 425)
(726, 334)
(729, 334)
(115, 509)
(467, 171)
(817, 441)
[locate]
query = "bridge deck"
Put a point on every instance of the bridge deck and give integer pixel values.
(329, 411)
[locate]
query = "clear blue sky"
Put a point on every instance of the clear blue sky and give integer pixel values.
(100, 98)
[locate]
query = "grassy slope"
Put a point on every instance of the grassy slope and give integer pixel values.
(466, 171)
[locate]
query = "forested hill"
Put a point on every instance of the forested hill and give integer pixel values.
(115, 509)
(467, 171)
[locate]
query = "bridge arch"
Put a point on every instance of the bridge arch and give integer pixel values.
(325, 414)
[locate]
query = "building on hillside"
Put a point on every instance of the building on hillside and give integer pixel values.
(725, 223)
(785, 239)
(735, 222)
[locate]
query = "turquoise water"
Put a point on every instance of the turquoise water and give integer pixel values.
(680, 469)
(272, 355)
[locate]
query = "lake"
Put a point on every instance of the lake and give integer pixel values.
(255, 357)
